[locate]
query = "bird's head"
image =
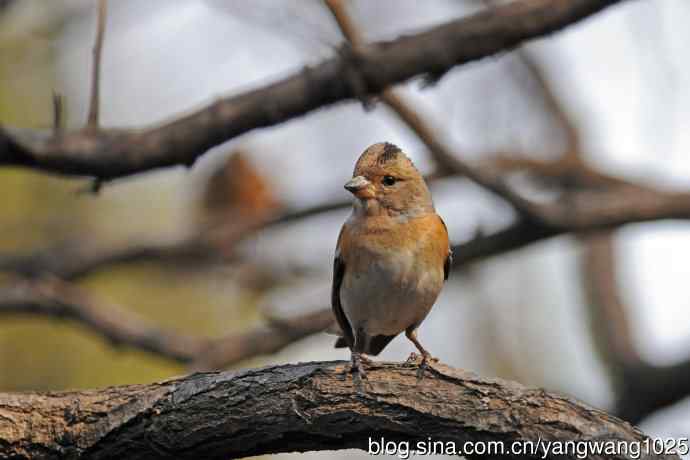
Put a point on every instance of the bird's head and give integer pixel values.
(385, 181)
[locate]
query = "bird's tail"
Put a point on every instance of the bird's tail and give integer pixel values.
(340, 343)
(375, 344)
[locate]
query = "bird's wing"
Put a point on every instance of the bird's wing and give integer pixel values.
(338, 274)
(449, 258)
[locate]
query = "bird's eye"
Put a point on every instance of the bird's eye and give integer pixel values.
(388, 180)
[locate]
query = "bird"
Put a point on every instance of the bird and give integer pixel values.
(391, 260)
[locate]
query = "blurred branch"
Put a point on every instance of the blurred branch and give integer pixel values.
(560, 172)
(552, 104)
(108, 154)
(76, 260)
(53, 298)
(583, 211)
(551, 101)
(58, 114)
(269, 338)
(641, 388)
(94, 101)
(304, 407)
(610, 314)
(444, 157)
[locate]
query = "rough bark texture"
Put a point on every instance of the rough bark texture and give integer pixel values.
(108, 154)
(295, 407)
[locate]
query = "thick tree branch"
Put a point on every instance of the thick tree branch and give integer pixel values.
(114, 153)
(296, 407)
(56, 299)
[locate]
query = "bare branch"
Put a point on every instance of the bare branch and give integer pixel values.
(561, 171)
(299, 407)
(76, 260)
(610, 318)
(56, 299)
(641, 388)
(81, 258)
(443, 155)
(53, 298)
(58, 112)
(262, 340)
(584, 211)
(109, 154)
(94, 101)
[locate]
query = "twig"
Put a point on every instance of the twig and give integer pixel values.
(94, 103)
(58, 112)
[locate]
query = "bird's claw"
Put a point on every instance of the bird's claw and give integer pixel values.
(356, 368)
(424, 365)
(365, 359)
(412, 358)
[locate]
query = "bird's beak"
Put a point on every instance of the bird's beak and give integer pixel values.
(357, 185)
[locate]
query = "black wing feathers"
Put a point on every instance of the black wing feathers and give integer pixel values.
(338, 274)
(449, 258)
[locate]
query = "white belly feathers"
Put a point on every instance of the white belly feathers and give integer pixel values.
(391, 294)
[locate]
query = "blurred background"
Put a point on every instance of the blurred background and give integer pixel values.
(611, 92)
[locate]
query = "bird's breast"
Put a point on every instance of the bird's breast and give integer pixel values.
(389, 286)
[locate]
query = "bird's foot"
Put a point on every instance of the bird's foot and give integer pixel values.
(412, 358)
(423, 365)
(356, 368)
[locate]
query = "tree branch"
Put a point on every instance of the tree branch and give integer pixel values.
(641, 388)
(82, 258)
(109, 154)
(442, 154)
(584, 211)
(56, 299)
(94, 104)
(76, 260)
(295, 407)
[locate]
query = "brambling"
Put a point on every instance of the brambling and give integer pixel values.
(391, 259)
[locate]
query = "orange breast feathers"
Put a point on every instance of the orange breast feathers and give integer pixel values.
(426, 236)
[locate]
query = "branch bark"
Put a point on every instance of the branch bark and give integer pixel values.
(109, 154)
(294, 407)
